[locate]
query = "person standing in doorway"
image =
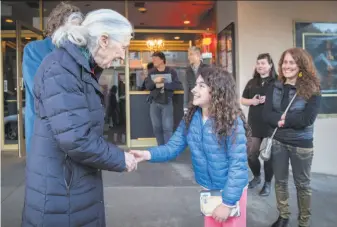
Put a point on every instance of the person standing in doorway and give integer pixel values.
(192, 72)
(161, 81)
(33, 54)
(294, 138)
(254, 96)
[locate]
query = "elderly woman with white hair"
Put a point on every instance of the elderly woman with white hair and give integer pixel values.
(63, 174)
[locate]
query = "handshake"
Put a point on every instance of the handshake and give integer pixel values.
(133, 157)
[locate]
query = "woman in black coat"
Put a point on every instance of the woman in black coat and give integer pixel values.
(254, 96)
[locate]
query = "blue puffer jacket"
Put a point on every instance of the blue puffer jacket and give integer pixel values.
(216, 167)
(63, 178)
(33, 54)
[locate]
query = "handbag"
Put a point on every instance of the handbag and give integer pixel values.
(211, 199)
(267, 142)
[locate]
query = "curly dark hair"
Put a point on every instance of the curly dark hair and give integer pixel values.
(308, 84)
(58, 17)
(225, 108)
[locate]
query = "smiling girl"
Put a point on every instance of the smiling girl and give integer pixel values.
(294, 138)
(215, 130)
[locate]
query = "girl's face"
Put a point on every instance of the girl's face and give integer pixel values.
(289, 67)
(263, 67)
(201, 94)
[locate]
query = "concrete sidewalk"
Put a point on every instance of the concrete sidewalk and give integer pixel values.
(165, 195)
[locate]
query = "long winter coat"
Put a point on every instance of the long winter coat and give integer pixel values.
(63, 174)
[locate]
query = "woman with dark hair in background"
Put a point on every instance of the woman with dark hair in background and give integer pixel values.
(294, 137)
(254, 97)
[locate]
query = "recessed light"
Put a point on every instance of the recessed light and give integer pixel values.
(187, 22)
(142, 9)
(28, 38)
(9, 20)
(176, 37)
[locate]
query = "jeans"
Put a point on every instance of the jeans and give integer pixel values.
(162, 121)
(254, 144)
(300, 159)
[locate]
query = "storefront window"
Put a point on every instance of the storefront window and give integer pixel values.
(320, 40)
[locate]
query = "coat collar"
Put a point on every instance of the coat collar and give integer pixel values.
(49, 44)
(82, 60)
(89, 75)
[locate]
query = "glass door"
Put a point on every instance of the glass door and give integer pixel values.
(12, 89)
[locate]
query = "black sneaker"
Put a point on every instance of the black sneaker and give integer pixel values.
(265, 191)
(253, 183)
(281, 222)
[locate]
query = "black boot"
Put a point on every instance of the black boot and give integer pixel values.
(253, 183)
(265, 191)
(281, 222)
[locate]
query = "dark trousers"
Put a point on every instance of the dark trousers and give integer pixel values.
(254, 144)
(300, 159)
(162, 121)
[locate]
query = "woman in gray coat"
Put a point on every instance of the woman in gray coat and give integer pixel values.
(63, 174)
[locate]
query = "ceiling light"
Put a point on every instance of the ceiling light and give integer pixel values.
(9, 20)
(142, 9)
(187, 22)
(28, 38)
(176, 37)
(155, 44)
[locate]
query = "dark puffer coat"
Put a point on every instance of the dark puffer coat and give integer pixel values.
(63, 175)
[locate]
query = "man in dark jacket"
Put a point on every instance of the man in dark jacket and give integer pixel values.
(161, 81)
(192, 72)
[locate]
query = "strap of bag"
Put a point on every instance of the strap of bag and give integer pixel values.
(285, 112)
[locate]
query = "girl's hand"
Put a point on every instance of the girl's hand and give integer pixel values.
(141, 155)
(221, 213)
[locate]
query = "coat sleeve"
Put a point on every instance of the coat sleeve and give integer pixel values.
(237, 178)
(67, 111)
(30, 64)
(175, 146)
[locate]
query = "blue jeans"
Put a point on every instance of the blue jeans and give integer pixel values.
(162, 121)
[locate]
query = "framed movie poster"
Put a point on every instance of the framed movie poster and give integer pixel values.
(226, 49)
(320, 40)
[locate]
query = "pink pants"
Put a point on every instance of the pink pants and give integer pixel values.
(232, 221)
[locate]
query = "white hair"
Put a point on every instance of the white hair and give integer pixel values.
(195, 49)
(96, 23)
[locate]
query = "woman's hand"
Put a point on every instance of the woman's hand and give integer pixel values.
(262, 99)
(141, 155)
(130, 162)
(221, 213)
(255, 100)
(280, 123)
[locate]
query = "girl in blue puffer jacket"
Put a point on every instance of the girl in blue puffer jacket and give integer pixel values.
(215, 130)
